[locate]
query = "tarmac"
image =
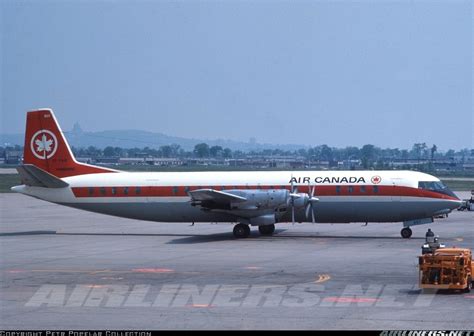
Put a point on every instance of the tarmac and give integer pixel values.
(62, 268)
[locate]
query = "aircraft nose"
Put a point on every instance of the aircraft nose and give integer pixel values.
(457, 202)
(454, 195)
(454, 204)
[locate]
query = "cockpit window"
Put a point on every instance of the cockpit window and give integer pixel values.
(432, 185)
(436, 186)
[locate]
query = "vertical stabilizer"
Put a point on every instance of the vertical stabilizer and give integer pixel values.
(47, 148)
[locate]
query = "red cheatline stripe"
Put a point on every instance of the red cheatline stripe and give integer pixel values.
(332, 190)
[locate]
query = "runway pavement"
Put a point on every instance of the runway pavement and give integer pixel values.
(62, 268)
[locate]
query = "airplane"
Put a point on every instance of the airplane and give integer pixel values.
(252, 198)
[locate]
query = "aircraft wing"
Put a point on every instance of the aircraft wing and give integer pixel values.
(215, 196)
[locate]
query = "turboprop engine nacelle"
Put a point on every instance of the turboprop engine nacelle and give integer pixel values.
(259, 199)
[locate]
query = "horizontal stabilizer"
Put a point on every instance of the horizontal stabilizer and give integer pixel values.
(36, 177)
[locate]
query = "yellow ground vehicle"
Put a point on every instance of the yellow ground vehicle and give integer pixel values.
(447, 268)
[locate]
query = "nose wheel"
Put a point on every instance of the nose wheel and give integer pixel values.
(406, 232)
(241, 231)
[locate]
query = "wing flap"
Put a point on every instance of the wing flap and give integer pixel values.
(215, 196)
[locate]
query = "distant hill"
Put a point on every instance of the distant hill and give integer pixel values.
(140, 139)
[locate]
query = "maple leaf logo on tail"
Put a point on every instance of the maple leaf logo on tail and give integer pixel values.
(44, 144)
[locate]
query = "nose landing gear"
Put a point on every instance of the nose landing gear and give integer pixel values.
(406, 232)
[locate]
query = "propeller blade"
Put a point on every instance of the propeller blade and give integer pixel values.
(309, 207)
(294, 189)
(306, 211)
(293, 195)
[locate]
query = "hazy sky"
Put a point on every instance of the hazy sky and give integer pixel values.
(390, 73)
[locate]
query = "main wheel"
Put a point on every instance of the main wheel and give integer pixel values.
(266, 229)
(406, 232)
(241, 231)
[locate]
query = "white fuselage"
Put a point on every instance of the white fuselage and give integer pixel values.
(344, 196)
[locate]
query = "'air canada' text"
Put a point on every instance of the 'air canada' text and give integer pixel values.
(334, 179)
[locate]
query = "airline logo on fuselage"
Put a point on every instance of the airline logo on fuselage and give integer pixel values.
(376, 179)
(334, 179)
(43, 144)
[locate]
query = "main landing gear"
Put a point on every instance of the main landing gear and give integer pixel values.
(243, 230)
(406, 232)
(266, 230)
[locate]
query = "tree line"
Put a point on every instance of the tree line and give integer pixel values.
(367, 153)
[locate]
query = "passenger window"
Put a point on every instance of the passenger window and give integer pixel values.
(362, 189)
(125, 191)
(175, 190)
(351, 189)
(376, 189)
(186, 189)
(138, 190)
(91, 191)
(102, 191)
(114, 190)
(338, 189)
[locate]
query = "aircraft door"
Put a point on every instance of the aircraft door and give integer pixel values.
(151, 191)
(396, 196)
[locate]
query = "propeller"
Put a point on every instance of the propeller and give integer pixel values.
(293, 195)
(306, 200)
(311, 200)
